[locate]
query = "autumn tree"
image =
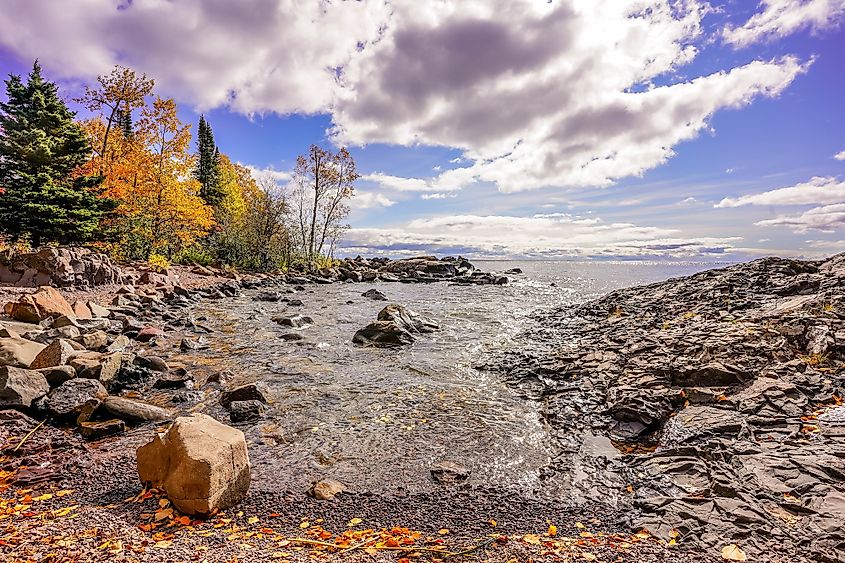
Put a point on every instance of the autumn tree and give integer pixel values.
(117, 94)
(323, 183)
(43, 194)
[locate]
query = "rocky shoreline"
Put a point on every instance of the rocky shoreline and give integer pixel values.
(709, 406)
(722, 392)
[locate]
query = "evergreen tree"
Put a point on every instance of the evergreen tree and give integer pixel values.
(125, 121)
(42, 195)
(207, 170)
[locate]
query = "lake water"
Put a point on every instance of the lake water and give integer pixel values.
(378, 419)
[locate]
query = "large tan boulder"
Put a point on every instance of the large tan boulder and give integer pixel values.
(18, 352)
(19, 387)
(45, 303)
(201, 464)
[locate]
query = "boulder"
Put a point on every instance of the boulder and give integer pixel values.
(98, 311)
(57, 375)
(296, 321)
(248, 392)
(60, 267)
(449, 472)
(57, 353)
(148, 333)
(135, 412)
(99, 430)
(19, 387)
(375, 295)
(18, 352)
(383, 334)
(241, 411)
(96, 340)
(68, 399)
(406, 319)
(326, 489)
(45, 303)
(201, 464)
(81, 310)
(119, 344)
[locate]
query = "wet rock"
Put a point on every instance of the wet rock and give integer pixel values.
(174, 379)
(242, 411)
(135, 412)
(248, 392)
(295, 302)
(68, 399)
(18, 352)
(383, 334)
(57, 353)
(190, 344)
(20, 387)
(291, 336)
(513, 271)
(153, 363)
(202, 465)
(326, 489)
(449, 472)
(296, 321)
(407, 319)
(269, 296)
(103, 429)
(375, 295)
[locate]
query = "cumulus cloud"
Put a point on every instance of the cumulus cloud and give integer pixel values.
(534, 94)
(369, 200)
(517, 86)
(840, 155)
(270, 174)
(826, 219)
(555, 234)
(819, 190)
(780, 18)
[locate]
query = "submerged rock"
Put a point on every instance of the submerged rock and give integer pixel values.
(201, 464)
(396, 325)
(375, 295)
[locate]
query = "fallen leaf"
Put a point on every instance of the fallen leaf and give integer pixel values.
(163, 544)
(732, 552)
(443, 531)
(252, 520)
(355, 521)
(552, 531)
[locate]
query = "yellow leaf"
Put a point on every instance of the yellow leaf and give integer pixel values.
(63, 493)
(252, 520)
(588, 556)
(304, 524)
(532, 539)
(579, 525)
(163, 544)
(163, 503)
(492, 523)
(552, 530)
(355, 521)
(732, 552)
(443, 531)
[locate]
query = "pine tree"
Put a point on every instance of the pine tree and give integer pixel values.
(125, 121)
(43, 195)
(207, 170)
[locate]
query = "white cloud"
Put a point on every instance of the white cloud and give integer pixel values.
(451, 180)
(541, 235)
(840, 155)
(826, 219)
(369, 200)
(819, 190)
(438, 195)
(271, 174)
(534, 94)
(780, 18)
(688, 201)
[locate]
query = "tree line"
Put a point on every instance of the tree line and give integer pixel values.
(128, 181)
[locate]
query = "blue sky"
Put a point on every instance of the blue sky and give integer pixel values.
(605, 129)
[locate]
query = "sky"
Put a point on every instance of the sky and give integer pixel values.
(565, 129)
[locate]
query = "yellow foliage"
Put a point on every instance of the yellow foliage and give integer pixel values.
(158, 262)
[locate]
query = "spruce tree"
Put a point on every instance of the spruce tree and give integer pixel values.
(208, 164)
(42, 195)
(125, 121)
